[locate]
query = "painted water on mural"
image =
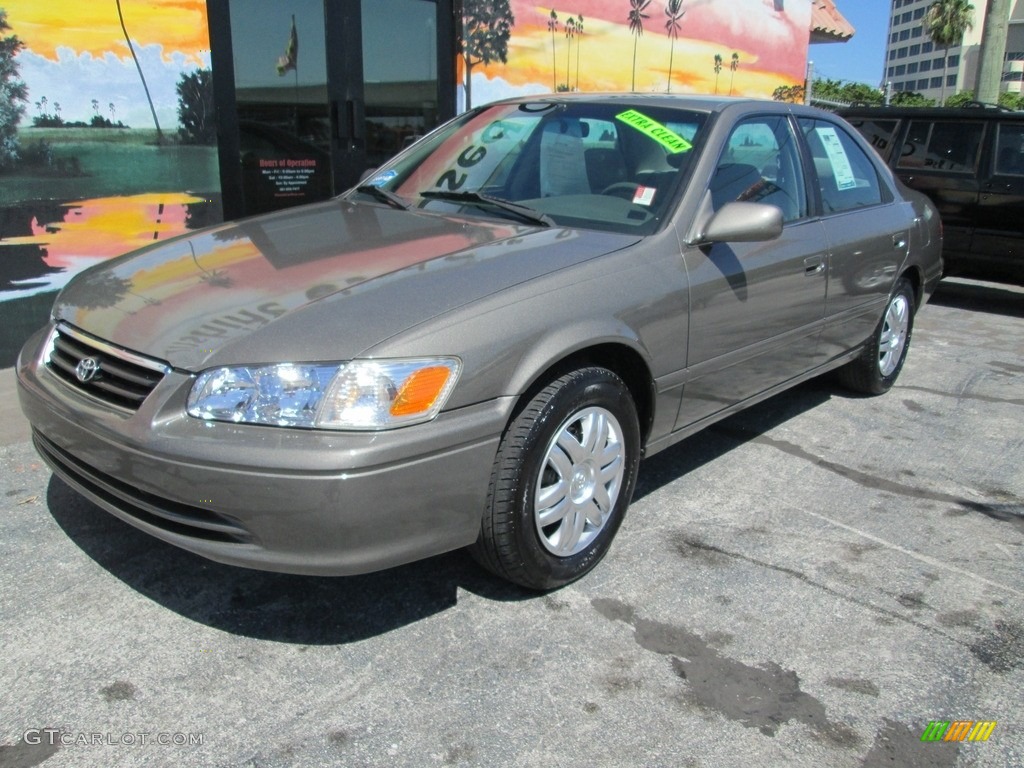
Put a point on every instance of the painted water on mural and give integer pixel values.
(44, 243)
(109, 143)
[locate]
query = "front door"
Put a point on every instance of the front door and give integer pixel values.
(313, 93)
(756, 308)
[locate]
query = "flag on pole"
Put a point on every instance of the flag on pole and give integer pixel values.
(290, 60)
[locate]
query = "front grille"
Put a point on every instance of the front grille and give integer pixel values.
(111, 374)
(171, 516)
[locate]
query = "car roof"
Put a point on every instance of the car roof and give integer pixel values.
(699, 102)
(977, 112)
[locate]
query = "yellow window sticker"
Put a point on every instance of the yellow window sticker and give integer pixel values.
(668, 138)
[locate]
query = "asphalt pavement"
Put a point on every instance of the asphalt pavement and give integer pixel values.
(810, 583)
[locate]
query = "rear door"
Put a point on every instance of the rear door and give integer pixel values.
(940, 157)
(867, 232)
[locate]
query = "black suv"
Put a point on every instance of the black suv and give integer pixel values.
(970, 162)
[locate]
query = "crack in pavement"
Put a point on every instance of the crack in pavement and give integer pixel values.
(1012, 513)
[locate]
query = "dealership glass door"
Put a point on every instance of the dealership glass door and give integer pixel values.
(320, 91)
(400, 74)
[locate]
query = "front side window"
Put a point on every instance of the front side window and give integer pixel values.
(942, 145)
(614, 167)
(760, 164)
(846, 176)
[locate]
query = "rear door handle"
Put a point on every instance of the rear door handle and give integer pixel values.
(814, 265)
(899, 242)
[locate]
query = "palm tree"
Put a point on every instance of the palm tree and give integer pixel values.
(674, 11)
(552, 26)
(579, 33)
(570, 33)
(131, 50)
(636, 26)
(945, 23)
(733, 66)
(718, 68)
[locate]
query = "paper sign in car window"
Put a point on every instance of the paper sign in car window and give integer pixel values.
(841, 168)
(665, 136)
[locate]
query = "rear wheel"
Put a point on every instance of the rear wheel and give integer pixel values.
(878, 366)
(562, 480)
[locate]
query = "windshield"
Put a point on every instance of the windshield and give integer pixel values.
(613, 167)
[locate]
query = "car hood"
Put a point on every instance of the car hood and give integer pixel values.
(322, 282)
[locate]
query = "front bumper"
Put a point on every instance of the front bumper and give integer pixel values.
(290, 500)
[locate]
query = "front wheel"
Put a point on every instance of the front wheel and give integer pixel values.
(875, 370)
(562, 480)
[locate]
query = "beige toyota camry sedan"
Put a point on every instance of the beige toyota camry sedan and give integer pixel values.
(477, 345)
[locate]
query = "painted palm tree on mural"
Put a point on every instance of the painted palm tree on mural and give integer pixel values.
(142, 77)
(636, 26)
(945, 23)
(718, 69)
(552, 27)
(733, 66)
(579, 34)
(570, 33)
(674, 11)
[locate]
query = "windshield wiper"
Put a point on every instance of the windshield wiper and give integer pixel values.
(479, 198)
(384, 196)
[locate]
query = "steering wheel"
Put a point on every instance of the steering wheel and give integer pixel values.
(624, 189)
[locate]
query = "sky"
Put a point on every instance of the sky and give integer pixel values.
(85, 68)
(862, 58)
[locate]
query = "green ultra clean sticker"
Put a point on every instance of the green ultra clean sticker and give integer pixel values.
(669, 139)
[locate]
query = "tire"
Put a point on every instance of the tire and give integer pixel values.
(563, 477)
(878, 366)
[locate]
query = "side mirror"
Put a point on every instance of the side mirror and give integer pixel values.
(743, 223)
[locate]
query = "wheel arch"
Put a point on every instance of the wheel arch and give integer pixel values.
(619, 358)
(916, 279)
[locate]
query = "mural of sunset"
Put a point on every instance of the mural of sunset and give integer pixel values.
(113, 149)
(69, 44)
(738, 47)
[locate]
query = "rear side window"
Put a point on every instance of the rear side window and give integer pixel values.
(942, 145)
(845, 174)
(878, 132)
(1010, 149)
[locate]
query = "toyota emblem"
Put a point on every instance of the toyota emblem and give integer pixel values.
(87, 369)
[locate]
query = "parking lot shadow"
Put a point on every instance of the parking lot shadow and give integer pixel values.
(333, 610)
(304, 610)
(980, 297)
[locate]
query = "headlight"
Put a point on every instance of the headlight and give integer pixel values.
(362, 394)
